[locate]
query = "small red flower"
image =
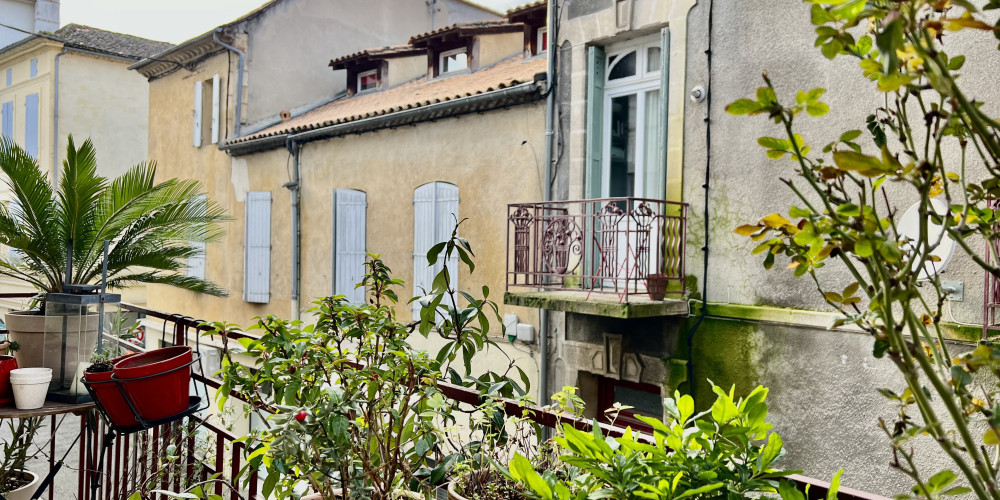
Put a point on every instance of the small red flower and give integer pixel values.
(300, 416)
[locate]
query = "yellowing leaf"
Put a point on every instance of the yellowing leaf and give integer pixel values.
(746, 230)
(990, 438)
(868, 166)
(775, 221)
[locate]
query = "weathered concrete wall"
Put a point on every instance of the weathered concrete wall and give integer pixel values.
(317, 31)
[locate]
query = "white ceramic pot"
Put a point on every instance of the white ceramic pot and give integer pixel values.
(24, 492)
(30, 386)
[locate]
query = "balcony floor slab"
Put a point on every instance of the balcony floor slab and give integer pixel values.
(597, 304)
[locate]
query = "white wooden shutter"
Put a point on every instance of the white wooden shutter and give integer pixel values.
(31, 112)
(197, 114)
(215, 109)
(446, 212)
(7, 119)
(423, 239)
(349, 250)
(196, 263)
(257, 248)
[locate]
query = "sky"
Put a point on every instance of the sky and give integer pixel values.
(178, 20)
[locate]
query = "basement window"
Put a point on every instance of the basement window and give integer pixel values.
(644, 400)
(368, 80)
(453, 60)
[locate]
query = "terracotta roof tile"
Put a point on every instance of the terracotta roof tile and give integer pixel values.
(415, 94)
(526, 7)
(463, 27)
(381, 52)
(120, 44)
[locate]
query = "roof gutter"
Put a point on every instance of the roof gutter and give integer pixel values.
(239, 80)
(518, 94)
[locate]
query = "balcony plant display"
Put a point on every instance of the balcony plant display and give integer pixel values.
(356, 408)
(725, 452)
(16, 482)
(152, 228)
(932, 144)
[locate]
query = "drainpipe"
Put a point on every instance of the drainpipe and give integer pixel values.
(293, 186)
(239, 81)
(55, 122)
(550, 109)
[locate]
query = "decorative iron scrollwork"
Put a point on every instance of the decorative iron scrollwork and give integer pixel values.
(521, 219)
(562, 237)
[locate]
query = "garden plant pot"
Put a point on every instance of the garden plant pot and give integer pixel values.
(28, 329)
(452, 494)
(7, 363)
(24, 492)
(30, 386)
(157, 383)
(107, 394)
(656, 286)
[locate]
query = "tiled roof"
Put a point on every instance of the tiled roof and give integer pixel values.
(525, 8)
(465, 28)
(410, 95)
(109, 42)
(381, 52)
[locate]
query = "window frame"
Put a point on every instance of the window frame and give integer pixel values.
(444, 54)
(626, 418)
(360, 77)
(541, 39)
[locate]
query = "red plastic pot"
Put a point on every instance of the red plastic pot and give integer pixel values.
(7, 363)
(107, 393)
(157, 383)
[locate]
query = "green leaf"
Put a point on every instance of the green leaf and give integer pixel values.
(881, 346)
(744, 107)
(858, 162)
(432, 254)
(831, 492)
(770, 452)
(864, 248)
(831, 48)
(819, 15)
(956, 63)
(960, 377)
(850, 135)
(766, 96)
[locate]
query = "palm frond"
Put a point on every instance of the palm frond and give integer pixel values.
(178, 280)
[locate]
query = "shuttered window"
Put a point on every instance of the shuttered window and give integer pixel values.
(31, 124)
(595, 120)
(197, 115)
(435, 213)
(196, 262)
(33, 68)
(7, 119)
(349, 243)
(215, 109)
(257, 248)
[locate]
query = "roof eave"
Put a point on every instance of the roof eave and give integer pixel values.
(511, 96)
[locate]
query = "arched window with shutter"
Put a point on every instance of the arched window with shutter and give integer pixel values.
(349, 245)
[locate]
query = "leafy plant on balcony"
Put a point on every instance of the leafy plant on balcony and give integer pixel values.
(16, 451)
(930, 141)
(354, 404)
(726, 452)
(152, 227)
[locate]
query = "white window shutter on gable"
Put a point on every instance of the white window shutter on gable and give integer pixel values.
(196, 263)
(349, 245)
(215, 109)
(197, 114)
(257, 248)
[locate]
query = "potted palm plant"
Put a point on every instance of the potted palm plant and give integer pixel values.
(153, 228)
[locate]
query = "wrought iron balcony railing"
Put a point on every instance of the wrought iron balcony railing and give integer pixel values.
(623, 246)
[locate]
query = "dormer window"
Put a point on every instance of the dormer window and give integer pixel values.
(542, 38)
(453, 60)
(368, 80)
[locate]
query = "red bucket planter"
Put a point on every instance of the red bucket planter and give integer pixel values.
(7, 363)
(107, 394)
(157, 383)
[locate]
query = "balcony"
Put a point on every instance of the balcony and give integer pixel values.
(603, 257)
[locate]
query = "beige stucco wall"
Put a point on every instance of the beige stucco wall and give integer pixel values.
(100, 99)
(404, 69)
(494, 48)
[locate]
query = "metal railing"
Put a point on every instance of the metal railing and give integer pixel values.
(189, 451)
(606, 245)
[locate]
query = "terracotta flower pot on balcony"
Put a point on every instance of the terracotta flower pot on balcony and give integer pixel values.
(656, 286)
(157, 383)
